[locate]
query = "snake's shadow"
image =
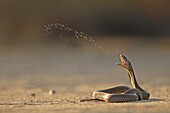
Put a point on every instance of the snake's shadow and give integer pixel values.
(150, 100)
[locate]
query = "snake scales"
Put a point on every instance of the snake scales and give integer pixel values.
(121, 93)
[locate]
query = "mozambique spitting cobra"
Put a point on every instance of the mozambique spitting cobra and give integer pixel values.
(121, 93)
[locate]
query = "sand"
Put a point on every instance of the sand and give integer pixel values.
(27, 73)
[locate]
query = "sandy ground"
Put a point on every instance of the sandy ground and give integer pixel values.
(28, 72)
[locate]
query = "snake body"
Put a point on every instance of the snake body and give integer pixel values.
(122, 93)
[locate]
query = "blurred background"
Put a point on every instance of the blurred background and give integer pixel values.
(139, 29)
(23, 19)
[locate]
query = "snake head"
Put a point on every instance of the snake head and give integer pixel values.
(125, 63)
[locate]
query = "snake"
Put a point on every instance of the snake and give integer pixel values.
(121, 93)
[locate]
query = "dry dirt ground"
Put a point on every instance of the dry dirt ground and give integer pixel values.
(28, 72)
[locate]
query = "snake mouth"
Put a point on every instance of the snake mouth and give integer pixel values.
(125, 63)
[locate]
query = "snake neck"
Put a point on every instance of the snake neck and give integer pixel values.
(134, 81)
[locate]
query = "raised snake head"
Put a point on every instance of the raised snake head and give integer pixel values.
(125, 63)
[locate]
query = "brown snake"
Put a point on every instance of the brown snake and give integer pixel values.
(121, 93)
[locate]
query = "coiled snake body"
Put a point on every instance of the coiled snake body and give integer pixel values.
(121, 93)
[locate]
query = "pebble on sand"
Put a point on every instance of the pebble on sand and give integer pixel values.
(33, 94)
(51, 92)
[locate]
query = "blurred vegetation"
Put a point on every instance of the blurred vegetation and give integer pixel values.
(24, 19)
